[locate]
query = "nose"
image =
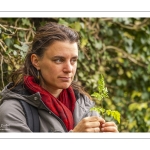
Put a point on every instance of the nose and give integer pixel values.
(68, 67)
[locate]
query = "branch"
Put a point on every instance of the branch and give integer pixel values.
(2, 26)
(4, 50)
(1, 66)
(136, 27)
(17, 28)
(125, 55)
(7, 28)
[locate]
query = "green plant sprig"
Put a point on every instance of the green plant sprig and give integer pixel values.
(100, 95)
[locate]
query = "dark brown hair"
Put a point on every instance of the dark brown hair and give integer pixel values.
(44, 37)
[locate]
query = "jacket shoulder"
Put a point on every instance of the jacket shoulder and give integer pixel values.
(12, 117)
(84, 101)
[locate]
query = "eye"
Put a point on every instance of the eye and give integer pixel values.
(58, 60)
(74, 60)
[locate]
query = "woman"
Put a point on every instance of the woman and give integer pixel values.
(46, 82)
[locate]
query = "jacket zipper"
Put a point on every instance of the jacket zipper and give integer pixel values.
(50, 112)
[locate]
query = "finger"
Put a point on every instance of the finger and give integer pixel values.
(97, 129)
(92, 119)
(101, 120)
(109, 129)
(87, 124)
(107, 124)
(92, 124)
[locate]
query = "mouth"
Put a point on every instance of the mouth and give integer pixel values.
(66, 79)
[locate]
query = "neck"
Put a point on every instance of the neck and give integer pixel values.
(54, 92)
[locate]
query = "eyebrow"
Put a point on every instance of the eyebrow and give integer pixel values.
(64, 57)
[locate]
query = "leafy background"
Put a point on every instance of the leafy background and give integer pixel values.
(119, 48)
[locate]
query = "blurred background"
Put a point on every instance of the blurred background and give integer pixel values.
(118, 48)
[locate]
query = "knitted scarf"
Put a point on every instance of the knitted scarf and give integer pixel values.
(62, 107)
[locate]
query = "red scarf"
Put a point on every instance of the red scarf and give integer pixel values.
(62, 107)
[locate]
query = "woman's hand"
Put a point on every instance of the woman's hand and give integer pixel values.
(109, 127)
(89, 124)
(95, 124)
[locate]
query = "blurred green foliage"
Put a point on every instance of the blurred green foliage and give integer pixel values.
(119, 48)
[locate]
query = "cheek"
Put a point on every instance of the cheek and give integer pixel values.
(50, 71)
(74, 69)
(46, 69)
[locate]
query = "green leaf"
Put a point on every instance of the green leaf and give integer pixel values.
(98, 45)
(148, 68)
(84, 41)
(103, 93)
(24, 47)
(63, 22)
(97, 95)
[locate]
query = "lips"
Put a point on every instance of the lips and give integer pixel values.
(65, 78)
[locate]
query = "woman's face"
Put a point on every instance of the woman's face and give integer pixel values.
(57, 65)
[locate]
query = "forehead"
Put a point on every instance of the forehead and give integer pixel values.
(59, 47)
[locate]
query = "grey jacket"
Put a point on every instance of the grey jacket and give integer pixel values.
(12, 116)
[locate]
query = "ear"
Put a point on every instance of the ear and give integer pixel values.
(35, 61)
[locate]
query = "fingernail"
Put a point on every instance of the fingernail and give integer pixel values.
(102, 129)
(103, 125)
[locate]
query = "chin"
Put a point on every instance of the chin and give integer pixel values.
(64, 86)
